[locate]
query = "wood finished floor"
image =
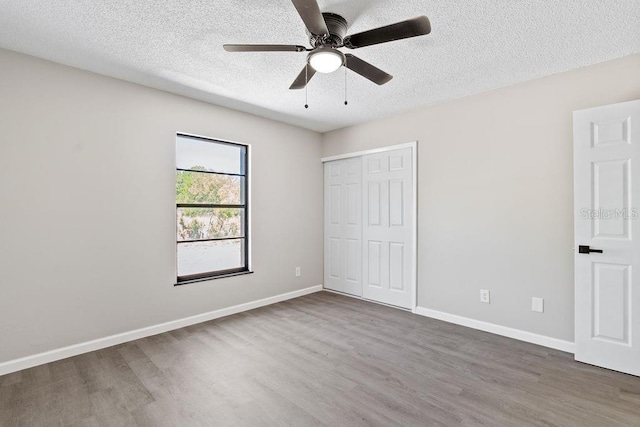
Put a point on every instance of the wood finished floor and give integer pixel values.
(322, 359)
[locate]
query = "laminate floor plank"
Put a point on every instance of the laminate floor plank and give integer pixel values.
(321, 360)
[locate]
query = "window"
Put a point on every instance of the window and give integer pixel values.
(211, 208)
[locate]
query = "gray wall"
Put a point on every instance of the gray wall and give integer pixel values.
(88, 216)
(495, 191)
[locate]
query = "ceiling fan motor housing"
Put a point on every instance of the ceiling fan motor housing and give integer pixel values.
(337, 27)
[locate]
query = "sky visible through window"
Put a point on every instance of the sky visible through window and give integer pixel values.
(223, 158)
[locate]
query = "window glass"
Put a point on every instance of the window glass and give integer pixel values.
(194, 154)
(196, 257)
(194, 187)
(209, 223)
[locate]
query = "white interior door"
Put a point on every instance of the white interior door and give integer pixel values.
(388, 228)
(343, 226)
(607, 195)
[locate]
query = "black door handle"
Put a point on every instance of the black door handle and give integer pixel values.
(587, 250)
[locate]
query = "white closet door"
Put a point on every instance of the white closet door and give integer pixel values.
(343, 226)
(388, 229)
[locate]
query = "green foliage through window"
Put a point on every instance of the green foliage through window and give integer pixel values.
(208, 188)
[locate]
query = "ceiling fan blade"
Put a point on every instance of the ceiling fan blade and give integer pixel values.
(263, 48)
(401, 30)
(366, 70)
(310, 13)
(303, 78)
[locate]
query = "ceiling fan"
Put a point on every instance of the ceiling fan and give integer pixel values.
(327, 33)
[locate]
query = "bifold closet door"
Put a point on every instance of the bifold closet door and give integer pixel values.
(343, 226)
(388, 229)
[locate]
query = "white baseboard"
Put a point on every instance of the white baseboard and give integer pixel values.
(98, 344)
(517, 334)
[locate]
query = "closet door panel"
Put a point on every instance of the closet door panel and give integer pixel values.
(343, 226)
(388, 230)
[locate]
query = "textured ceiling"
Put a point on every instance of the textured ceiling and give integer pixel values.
(176, 45)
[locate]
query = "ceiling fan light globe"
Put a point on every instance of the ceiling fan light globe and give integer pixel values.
(326, 60)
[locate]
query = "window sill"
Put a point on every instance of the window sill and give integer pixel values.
(221, 276)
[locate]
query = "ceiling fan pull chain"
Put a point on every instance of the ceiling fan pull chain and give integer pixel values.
(306, 87)
(345, 85)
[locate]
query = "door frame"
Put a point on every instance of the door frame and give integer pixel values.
(414, 245)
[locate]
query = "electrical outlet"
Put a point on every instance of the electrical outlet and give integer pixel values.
(537, 305)
(297, 271)
(485, 296)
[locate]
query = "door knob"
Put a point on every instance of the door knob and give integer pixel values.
(587, 250)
